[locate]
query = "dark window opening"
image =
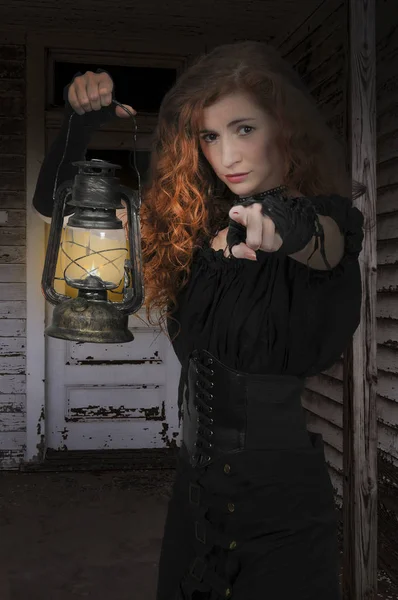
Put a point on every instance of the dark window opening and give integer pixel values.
(126, 174)
(141, 87)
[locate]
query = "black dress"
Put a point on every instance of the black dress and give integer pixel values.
(257, 519)
(252, 513)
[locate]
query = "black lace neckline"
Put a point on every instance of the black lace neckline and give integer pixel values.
(276, 191)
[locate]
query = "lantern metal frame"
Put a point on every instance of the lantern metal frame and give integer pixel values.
(92, 317)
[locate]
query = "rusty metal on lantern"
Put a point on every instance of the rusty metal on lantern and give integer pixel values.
(96, 257)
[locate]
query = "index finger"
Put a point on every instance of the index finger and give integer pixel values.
(105, 88)
(73, 101)
(254, 229)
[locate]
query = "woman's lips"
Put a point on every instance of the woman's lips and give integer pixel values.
(237, 178)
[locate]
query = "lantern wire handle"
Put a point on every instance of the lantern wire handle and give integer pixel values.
(133, 152)
(61, 162)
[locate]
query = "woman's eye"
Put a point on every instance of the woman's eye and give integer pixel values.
(245, 129)
(209, 137)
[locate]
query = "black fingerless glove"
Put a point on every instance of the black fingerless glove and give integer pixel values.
(295, 219)
(236, 234)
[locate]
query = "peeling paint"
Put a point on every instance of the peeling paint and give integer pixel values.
(111, 363)
(94, 411)
(41, 445)
(391, 344)
(155, 413)
(64, 433)
(12, 459)
(12, 407)
(169, 443)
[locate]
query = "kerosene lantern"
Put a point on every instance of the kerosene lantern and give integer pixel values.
(97, 258)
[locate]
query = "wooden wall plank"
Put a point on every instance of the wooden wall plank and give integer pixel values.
(387, 199)
(387, 385)
(387, 174)
(337, 483)
(387, 123)
(12, 384)
(360, 365)
(331, 433)
(11, 459)
(12, 291)
(12, 199)
(12, 422)
(388, 442)
(12, 345)
(12, 440)
(12, 254)
(327, 386)
(387, 226)
(387, 332)
(12, 217)
(322, 406)
(334, 458)
(12, 236)
(12, 364)
(387, 278)
(13, 310)
(12, 403)
(387, 208)
(322, 18)
(387, 413)
(12, 327)
(387, 306)
(387, 360)
(12, 273)
(387, 252)
(387, 147)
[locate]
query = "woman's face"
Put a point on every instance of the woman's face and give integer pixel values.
(239, 140)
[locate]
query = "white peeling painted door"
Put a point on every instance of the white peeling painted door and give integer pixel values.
(112, 396)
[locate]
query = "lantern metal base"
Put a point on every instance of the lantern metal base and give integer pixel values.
(94, 321)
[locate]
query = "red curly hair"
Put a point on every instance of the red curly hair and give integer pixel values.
(184, 201)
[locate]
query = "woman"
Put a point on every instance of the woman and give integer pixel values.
(251, 253)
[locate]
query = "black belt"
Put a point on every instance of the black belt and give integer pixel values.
(227, 411)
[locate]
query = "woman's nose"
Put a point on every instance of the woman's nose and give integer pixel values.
(230, 154)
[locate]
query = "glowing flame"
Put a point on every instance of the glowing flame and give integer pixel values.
(94, 270)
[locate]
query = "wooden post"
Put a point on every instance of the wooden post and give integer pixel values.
(360, 376)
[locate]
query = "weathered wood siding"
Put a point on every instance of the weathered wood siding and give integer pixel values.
(176, 20)
(317, 51)
(387, 236)
(12, 255)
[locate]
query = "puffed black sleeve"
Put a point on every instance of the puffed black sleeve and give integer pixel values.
(329, 300)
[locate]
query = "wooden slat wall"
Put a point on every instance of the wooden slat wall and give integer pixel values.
(317, 51)
(387, 280)
(387, 227)
(12, 255)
